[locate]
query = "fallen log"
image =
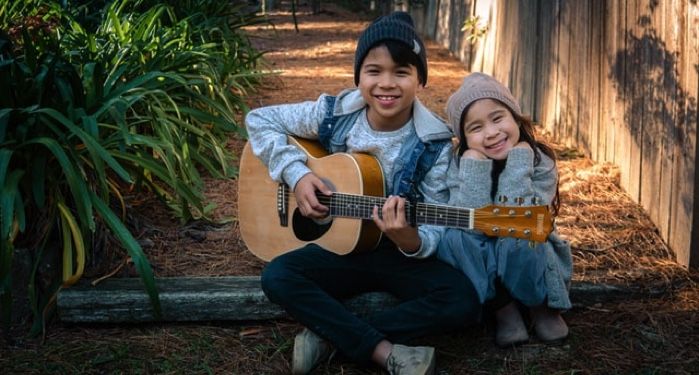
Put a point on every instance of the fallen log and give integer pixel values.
(238, 298)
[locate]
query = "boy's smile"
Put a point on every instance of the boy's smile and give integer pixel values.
(388, 89)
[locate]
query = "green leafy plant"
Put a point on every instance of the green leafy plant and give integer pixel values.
(145, 98)
(474, 30)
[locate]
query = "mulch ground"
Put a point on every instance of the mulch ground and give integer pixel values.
(613, 242)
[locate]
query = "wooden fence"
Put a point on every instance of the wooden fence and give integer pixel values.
(618, 79)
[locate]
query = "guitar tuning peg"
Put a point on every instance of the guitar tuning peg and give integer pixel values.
(532, 244)
(502, 199)
(536, 201)
(519, 200)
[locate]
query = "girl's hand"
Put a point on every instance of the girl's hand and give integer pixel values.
(473, 154)
(306, 199)
(523, 144)
(393, 222)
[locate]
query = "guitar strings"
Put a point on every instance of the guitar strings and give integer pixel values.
(340, 203)
(361, 206)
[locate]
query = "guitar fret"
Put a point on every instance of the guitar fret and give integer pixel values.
(346, 205)
(445, 216)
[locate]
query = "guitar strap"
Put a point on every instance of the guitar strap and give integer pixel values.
(415, 160)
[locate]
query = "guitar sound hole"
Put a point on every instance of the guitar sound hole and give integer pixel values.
(306, 229)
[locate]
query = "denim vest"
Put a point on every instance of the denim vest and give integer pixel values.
(414, 160)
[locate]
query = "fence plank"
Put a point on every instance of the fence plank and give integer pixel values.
(562, 125)
(583, 103)
(595, 29)
(653, 97)
(666, 116)
(633, 101)
(684, 235)
(609, 93)
(548, 62)
(622, 71)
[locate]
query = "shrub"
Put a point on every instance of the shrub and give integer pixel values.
(143, 96)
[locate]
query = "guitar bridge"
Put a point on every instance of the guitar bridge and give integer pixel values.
(283, 204)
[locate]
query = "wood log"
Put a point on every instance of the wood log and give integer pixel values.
(240, 298)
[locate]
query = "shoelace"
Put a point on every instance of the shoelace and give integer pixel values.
(392, 365)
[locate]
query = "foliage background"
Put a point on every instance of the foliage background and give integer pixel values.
(101, 98)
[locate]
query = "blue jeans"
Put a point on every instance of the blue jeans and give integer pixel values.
(311, 282)
(487, 261)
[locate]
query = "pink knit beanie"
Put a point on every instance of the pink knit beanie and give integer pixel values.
(478, 86)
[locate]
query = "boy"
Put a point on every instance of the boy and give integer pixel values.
(383, 118)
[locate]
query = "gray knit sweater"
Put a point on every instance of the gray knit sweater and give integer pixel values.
(470, 185)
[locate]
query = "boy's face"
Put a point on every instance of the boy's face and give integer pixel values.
(388, 89)
(491, 129)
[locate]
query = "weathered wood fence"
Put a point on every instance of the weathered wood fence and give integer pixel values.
(618, 79)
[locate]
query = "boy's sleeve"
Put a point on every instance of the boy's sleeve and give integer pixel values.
(268, 128)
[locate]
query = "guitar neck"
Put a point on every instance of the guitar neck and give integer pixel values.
(526, 222)
(361, 207)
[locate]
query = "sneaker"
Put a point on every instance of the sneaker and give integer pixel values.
(510, 329)
(309, 351)
(410, 360)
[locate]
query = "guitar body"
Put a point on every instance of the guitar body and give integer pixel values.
(268, 234)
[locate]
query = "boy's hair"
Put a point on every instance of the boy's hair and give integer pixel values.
(478, 86)
(398, 27)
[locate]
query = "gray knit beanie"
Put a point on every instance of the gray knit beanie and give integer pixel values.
(478, 86)
(397, 26)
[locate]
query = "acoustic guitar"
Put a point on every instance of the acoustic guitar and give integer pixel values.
(271, 224)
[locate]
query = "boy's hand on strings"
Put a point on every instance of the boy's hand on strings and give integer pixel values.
(393, 222)
(306, 198)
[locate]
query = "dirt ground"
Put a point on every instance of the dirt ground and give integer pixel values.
(654, 331)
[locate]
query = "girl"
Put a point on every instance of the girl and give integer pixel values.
(498, 161)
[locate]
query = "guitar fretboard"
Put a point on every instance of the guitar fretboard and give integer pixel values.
(361, 207)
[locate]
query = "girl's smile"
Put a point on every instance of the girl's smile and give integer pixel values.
(490, 129)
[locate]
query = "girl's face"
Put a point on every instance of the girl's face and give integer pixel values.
(388, 89)
(490, 129)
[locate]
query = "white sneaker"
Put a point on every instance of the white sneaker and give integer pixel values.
(410, 360)
(309, 350)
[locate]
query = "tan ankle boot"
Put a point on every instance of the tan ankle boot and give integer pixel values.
(510, 329)
(548, 324)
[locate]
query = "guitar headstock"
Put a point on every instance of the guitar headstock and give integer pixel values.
(533, 223)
